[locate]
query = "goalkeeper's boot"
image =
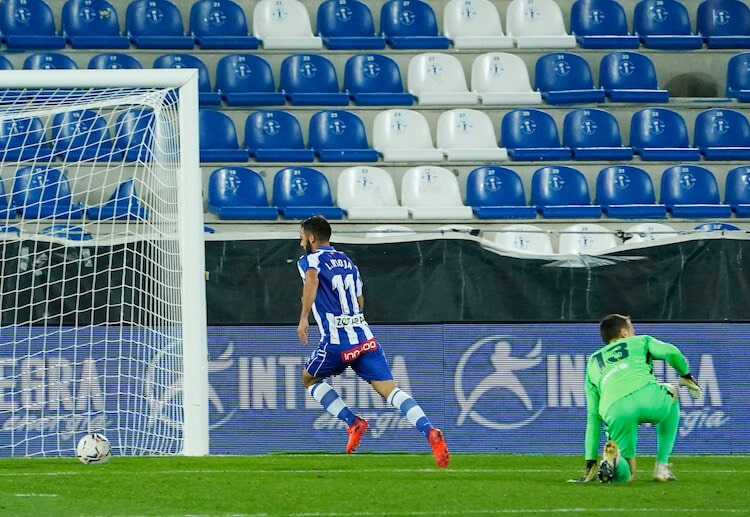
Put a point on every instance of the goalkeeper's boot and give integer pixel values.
(608, 465)
(663, 473)
(356, 430)
(439, 447)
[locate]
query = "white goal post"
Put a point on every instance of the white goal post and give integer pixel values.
(102, 289)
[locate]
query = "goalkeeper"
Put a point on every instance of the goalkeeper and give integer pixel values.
(622, 392)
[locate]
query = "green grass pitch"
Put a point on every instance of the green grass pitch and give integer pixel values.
(312, 485)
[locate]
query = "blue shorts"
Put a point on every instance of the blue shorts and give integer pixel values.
(366, 359)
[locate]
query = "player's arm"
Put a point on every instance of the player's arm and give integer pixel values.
(309, 291)
(593, 432)
(672, 355)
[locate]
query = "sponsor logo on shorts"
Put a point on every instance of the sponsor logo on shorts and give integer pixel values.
(360, 349)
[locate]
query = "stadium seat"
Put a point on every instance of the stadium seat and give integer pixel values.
(239, 193)
(407, 24)
(134, 134)
(585, 239)
(301, 192)
(206, 95)
(537, 24)
(717, 226)
(156, 24)
(123, 205)
(114, 61)
(6, 211)
(5, 64)
(366, 192)
(92, 24)
(594, 134)
(339, 136)
(665, 24)
(724, 23)
(649, 232)
(437, 78)
(311, 79)
(627, 192)
(660, 134)
(347, 25)
(284, 24)
(630, 77)
(247, 80)
(565, 78)
(495, 192)
(691, 191)
(218, 138)
(49, 61)
(502, 78)
(601, 24)
(722, 134)
(531, 135)
(404, 135)
(738, 77)
(737, 190)
(275, 136)
(220, 24)
(29, 25)
(375, 80)
(432, 193)
(70, 232)
(468, 135)
(82, 135)
(474, 24)
(524, 238)
(562, 192)
(23, 139)
(40, 192)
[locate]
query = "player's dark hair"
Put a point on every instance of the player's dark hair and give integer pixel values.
(317, 226)
(611, 325)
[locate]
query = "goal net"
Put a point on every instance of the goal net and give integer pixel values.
(102, 308)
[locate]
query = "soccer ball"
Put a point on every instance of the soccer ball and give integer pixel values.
(94, 448)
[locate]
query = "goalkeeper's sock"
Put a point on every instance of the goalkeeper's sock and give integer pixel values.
(411, 410)
(622, 471)
(666, 433)
(330, 400)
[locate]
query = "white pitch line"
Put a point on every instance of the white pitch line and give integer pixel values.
(36, 495)
(515, 511)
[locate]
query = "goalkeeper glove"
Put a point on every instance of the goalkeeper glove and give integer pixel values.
(589, 474)
(689, 382)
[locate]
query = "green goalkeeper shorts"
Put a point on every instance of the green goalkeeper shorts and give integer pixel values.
(650, 403)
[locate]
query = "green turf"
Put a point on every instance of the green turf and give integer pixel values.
(363, 485)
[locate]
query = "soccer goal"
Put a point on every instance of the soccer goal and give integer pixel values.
(102, 308)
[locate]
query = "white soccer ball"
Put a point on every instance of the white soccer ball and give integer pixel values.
(94, 448)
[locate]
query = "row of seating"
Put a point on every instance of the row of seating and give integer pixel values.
(463, 134)
(347, 24)
(492, 192)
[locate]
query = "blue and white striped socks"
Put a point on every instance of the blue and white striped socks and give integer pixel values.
(330, 400)
(411, 410)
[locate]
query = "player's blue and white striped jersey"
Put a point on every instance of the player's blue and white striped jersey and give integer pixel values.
(336, 308)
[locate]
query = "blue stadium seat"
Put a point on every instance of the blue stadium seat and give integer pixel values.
(92, 24)
(6, 210)
(565, 78)
(665, 24)
(23, 139)
(40, 192)
(114, 61)
(724, 23)
(737, 190)
(691, 191)
(239, 193)
(407, 24)
(532, 135)
(495, 192)
(717, 226)
(247, 80)
(310, 79)
(738, 77)
(301, 192)
(722, 134)
(559, 191)
(49, 61)
(601, 24)
(206, 96)
(82, 135)
(69, 232)
(156, 24)
(594, 134)
(630, 77)
(340, 136)
(123, 205)
(627, 192)
(134, 134)
(660, 134)
(348, 25)
(29, 25)
(375, 80)
(220, 24)
(218, 138)
(275, 136)
(5, 64)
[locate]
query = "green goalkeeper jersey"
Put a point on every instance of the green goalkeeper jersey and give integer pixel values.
(618, 369)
